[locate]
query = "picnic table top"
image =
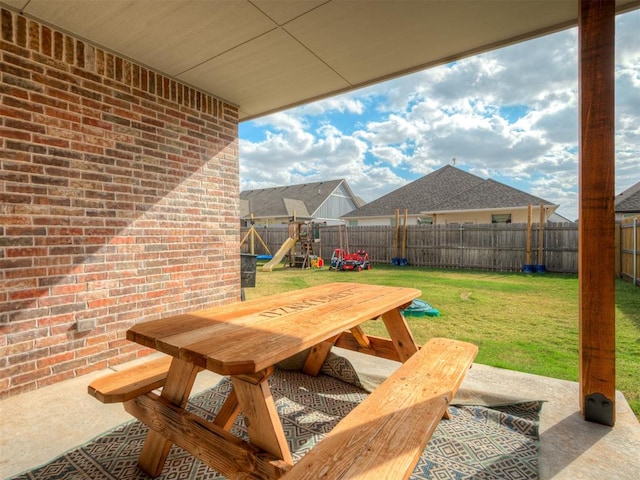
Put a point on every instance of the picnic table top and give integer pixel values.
(246, 337)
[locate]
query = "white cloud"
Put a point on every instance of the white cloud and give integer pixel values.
(344, 104)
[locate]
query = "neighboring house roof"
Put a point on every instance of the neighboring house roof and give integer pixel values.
(303, 199)
(557, 218)
(489, 194)
(629, 200)
(448, 189)
(296, 206)
(421, 194)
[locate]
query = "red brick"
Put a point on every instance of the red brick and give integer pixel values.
(91, 350)
(28, 294)
(51, 340)
(105, 338)
(15, 134)
(63, 115)
(26, 252)
(52, 300)
(52, 141)
(94, 367)
(65, 289)
(18, 369)
(30, 377)
(24, 272)
(55, 359)
(66, 346)
(7, 25)
(62, 328)
(15, 349)
(7, 111)
(56, 378)
(19, 284)
(69, 366)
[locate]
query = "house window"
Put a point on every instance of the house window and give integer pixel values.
(425, 220)
(353, 223)
(502, 218)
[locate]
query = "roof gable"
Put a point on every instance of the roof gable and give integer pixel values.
(448, 189)
(422, 194)
(304, 198)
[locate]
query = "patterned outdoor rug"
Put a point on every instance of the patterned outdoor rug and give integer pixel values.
(477, 443)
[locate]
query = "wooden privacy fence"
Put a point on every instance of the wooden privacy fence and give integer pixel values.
(630, 250)
(497, 247)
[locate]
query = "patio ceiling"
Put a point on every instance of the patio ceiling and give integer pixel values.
(266, 55)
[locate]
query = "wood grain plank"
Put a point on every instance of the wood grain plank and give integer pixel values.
(384, 436)
(361, 337)
(596, 240)
(176, 390)
(129, 383)
(378, 346)
(219, 449)
(228, 412)
(400, 334)
(261, 418)
(291, 328)
(147, 333)
(317, 356)
(153, 334)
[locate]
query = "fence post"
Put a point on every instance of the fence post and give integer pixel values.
(461, 230)
(635, 251)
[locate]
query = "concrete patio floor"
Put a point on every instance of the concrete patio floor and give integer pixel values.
(37, 426)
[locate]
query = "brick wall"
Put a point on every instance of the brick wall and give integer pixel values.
(118, 203)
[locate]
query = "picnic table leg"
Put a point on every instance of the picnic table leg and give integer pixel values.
(176, 389)
(317, 356)
(400, 334)
(228, 412)
(260, 415)
(361, 337)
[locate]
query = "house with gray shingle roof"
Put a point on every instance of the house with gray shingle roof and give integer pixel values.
(628, 202)
(450, 195)
(319, 201)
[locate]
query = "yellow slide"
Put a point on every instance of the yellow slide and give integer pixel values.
(282, 251)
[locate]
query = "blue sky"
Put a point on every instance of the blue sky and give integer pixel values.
(510, 115)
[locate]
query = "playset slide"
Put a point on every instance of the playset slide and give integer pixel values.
(282, 251)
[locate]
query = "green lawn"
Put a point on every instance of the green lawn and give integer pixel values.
(527, 323)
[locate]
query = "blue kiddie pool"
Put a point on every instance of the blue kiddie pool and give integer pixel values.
(420, 308)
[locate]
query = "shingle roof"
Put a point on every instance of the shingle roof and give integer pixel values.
(629, 200)
(421, 194)
(304, 198)
(448, 189)
(489, 194)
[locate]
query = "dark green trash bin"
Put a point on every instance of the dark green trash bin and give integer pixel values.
(248, 264)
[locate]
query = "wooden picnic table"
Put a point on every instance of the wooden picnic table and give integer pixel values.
(245, 340)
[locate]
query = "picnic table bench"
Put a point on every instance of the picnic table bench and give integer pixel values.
(129, 383)
(245, 340)
(385, 435)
